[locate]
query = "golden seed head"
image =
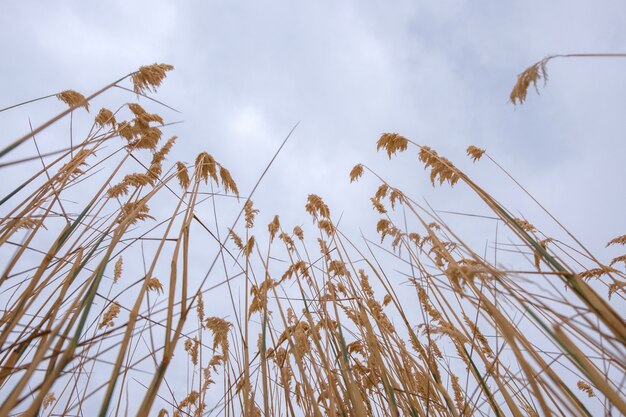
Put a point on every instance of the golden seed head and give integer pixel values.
(325, 251)
(459, 396)
(117, 270)
(365, 284)
(526, 226)
(597, 272)
(236, 239)
(19, 223)
(396, 196)
(475, 153)
(191, 347)
(259, 296)
(136, 109)
(381, 192)
(298, 267)
(478, 335)
(386, 300)
(327, 226)
(537, 255)
(356, 347)
(273, 227)
(615, 287)
(440, 166)
(118, 190)
(142, 117)
(200, 307)
(105, 117)
(338, 268)
(356, 172)
(530, 75)
(415, 238)
(315, 206)
(48, 400)
(137, 180)
(423, 297)
(585, 387)
(134, 212)
(392, 143)
(168, 146)
(220, 329)
(182, 174)
(148, 138)
(618, 259)
(298, 232)
(384, 227)
(73, 167)
(620, 240)
(378, 206)
(206, 167)
(247, 249)
(149, 77)
(154, 171)
(215, 361)
(109, 316)
(249, 213)
(228, 182)
(125, 130)
(155, 285)
(73, 99)
(159, 157)
(190, 399)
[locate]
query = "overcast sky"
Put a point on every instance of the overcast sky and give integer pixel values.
(438, 72)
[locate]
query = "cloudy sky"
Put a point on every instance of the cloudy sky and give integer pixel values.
(438, 72)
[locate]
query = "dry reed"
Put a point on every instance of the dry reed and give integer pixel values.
(419, 324)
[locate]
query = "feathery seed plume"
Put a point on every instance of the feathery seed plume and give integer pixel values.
(228, 182)
(205, 167)
(620, 240)
(273, 227)
(315, 206)
(475, 153)
(236, 239)
(118, 190)
(117, 270)
(356, 172)
(182, 174)
(392, 143)
(73, 99)
(48, 400)
(109, 316)
(535, 72)
(440, 167)
(149, 77)
(249, 213)
(105, 117)
(585, 387)
(155, 285)
(298, 232)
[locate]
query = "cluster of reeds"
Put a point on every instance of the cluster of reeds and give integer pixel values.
(115, 307)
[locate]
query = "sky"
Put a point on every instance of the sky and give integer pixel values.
(437, 72)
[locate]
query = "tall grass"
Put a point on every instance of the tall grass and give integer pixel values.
(117, 305)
